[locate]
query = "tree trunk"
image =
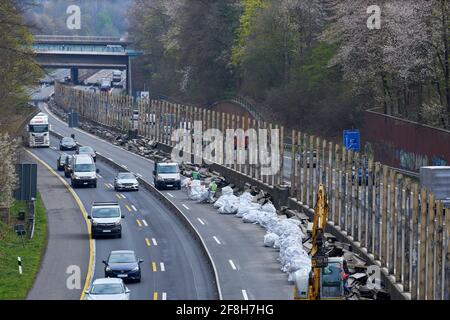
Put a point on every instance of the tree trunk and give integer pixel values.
(446, 56)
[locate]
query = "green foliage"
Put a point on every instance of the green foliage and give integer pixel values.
(13, 285)
(18, 68)
(245, 24)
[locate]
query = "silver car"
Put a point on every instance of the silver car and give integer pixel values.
(126, 181)
(108, 289)
(87, 150)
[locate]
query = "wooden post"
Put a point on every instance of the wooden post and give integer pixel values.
(430, 247)
(293, 163)
(438, 250)
(304, 183)
(415, 244)
(384, 207)
(423, 244)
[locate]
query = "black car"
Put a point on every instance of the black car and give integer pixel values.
(87, 150)
(67, 143)
(67, 168)
(123, 264)
(62, 161)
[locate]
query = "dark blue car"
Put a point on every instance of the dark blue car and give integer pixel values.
(124, 265)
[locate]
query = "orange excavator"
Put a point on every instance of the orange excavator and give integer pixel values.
(324, 281)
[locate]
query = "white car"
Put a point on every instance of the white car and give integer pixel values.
(108, 289)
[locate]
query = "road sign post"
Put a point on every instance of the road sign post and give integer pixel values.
(352, 140)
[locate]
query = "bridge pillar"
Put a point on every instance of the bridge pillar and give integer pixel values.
(74, 76)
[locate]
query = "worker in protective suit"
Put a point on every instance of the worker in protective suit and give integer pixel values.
(212, 191)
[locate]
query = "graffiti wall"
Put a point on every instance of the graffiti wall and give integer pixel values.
(405, 144)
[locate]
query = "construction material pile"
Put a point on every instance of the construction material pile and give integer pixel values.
(282, 234)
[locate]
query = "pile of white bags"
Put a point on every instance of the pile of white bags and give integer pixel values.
(197, 191)
(228, 203)
(282, 234)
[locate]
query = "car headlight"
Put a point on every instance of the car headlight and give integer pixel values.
(108, 269)
(76, 177)
(160, 178)
(118, 223)
(135, 269)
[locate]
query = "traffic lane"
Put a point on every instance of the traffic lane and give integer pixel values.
(182, 269)
(239, 253)
(189, 278)
(103, 247)
(144, 167)
(167, 237)
(66, 229)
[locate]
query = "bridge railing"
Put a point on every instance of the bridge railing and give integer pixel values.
(400, 227)
(62, 38)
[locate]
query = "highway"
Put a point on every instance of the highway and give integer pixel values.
(174, 266)
(246, 269)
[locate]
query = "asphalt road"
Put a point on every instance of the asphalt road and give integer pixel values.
(246, 269)
(174, 266)
(66, 229)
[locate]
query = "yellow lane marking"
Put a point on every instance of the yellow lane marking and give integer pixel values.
(148, 242)
(128, 207)
(107, 186)
(155, 295)
(83, 210)
(154, 267)
(139, 223)
(118, 197)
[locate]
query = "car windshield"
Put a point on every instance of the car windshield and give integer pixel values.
(85, 167)
(168, 169)
(39, 128)
(86, 150)
(126, 176)
(122, 257)
(68, 140)
(107, 288)
(106, 213)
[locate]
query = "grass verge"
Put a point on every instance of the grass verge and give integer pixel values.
(14, 286)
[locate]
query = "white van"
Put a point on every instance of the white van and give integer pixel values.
(83, 171)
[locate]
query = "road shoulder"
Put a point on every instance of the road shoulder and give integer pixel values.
(66, 260)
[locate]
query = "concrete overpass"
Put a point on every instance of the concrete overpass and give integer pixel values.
(75, 52)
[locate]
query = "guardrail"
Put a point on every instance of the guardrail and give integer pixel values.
(400, 227)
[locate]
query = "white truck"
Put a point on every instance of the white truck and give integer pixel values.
(38, 131)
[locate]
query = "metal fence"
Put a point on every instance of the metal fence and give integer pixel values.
(401, 226)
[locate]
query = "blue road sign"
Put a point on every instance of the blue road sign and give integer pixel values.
(352, 140)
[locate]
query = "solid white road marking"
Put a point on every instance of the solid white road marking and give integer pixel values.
(163, 267)
(125, 166)
(217, 240)
(133, 207)
(244, 293)
(232, 264)
(201, 221)
(139, 175)
(187, 208)
(144, 222)
(170, 195)
(154, 242)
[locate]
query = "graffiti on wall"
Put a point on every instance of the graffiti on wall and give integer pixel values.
(411, 161)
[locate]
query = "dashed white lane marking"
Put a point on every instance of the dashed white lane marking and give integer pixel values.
(201, 221)
(123, 196)
(217, 240)
(162, 266)
(133, 207)
(99, 176)
(164, 296)
(187, 208)
(107, 186)
(111, 186)
(170, 195)
(154, 242)
(245, 295)
(53, 148)
(144, 222)
(232, 264)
